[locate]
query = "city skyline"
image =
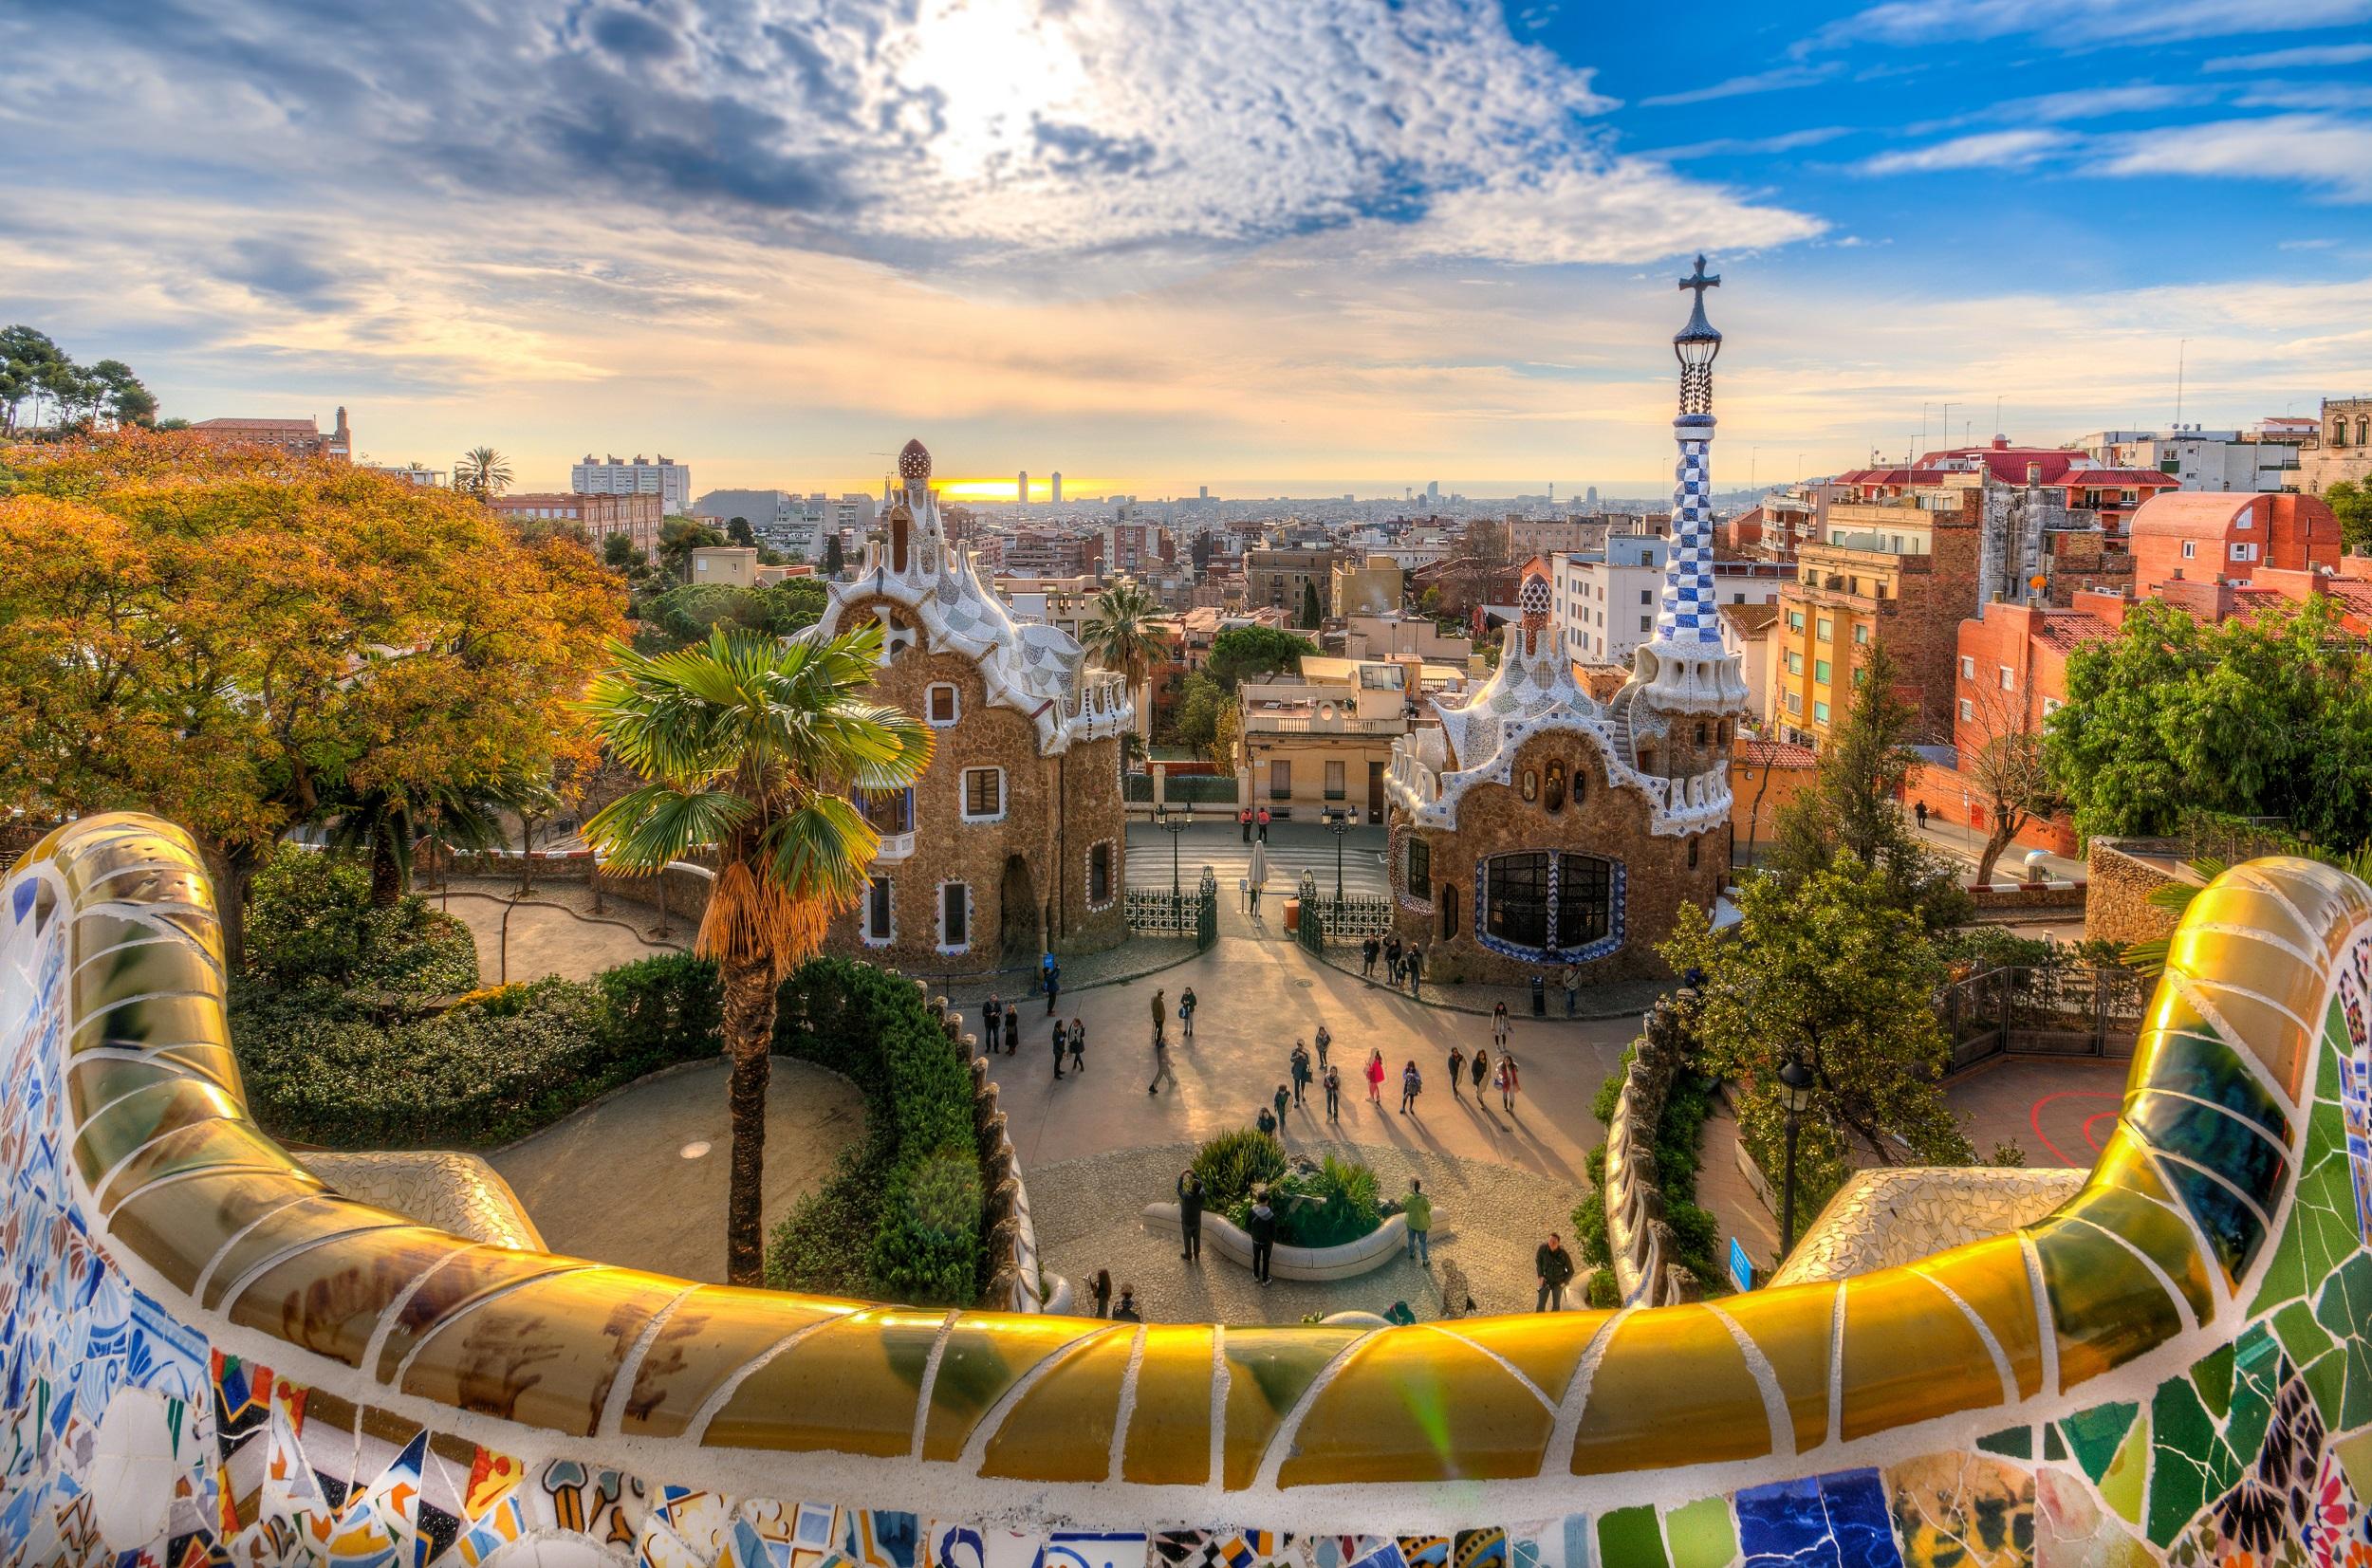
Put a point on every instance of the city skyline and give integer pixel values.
(775, 239)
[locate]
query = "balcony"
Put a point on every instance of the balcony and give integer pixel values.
(1305, 721)
(891, 816)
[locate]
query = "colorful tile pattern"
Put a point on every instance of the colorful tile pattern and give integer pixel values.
(135, 1435)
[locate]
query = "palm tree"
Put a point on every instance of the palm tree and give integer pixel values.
(483, 471)
(754, 744)
(384, 823)
(1121, 638)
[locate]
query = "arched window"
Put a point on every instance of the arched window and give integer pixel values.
(1647, 760)
(1721, 730)
(1556, 787)
(1701, 732)
(1547, 902)
(1447, 899)
(2363, 432)
(1691, 854)
(2339, 433)
(1532, 785)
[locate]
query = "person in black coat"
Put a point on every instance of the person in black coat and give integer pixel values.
(991, 1022)
(1012, 1030)
(1263, 1234)
(1190, 1215)
(1553, 1265)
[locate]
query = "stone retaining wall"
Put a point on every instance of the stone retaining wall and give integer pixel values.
(1646, 1251)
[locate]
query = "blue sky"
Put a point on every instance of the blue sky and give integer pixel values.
(1327, 244)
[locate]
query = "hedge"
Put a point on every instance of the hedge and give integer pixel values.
(324, 1067)
(310, 922)
(901, 1216)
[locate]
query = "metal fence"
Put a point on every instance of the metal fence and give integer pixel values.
(1352, 918)
(2068, 1010)
(1157, 911)
(1200, 789)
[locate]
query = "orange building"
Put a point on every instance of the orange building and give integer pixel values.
(2201, 536)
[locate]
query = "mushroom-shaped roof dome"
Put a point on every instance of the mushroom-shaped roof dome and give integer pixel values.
(914, 463)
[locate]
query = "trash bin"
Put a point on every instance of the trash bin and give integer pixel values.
(1540, 994)
(1293, 914)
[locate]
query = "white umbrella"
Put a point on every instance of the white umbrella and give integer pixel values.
(1258, 876)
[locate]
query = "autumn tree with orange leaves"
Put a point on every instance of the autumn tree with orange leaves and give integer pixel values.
(242, 642)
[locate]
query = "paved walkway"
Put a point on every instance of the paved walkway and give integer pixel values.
(1293, 847)
(639, 1178)
(554, 930)
(1964, 844)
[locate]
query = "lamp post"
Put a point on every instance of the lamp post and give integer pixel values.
(1173, 823)
(1795, 1089)
(1337, 822)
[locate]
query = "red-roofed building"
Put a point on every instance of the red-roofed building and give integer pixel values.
(1763, 776)
(301, 437)
(2208, 536)
(2107, 493)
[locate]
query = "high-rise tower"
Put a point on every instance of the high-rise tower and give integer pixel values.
(1021, 487)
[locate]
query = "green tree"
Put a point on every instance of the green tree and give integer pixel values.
(1199, 700)
(1829, 968)
(2352, 504)
(2007, 772)
(677, 538)
(738, 530)
(128, 402)
(1854, 804)
(1123, 637)
(617, 552)
(752, 746)
(382, 823)
(834, 558)
(2268, 715)
(1241, 652)
(793, 605)
(482, 471)
(1312, 614)
(29, 362)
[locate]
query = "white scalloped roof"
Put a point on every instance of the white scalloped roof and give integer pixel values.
(1526, 686)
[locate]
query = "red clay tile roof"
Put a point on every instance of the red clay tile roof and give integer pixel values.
(1751, 618)
(2068, 630)
(305, 425)
(1746, 753)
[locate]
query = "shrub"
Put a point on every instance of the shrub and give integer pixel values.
(1589, 1228)
(1232, 1164)
(310, 922)
(1602, 1293)
(921, 1237)
(672, 999)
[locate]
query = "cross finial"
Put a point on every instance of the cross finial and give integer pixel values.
(1700, 281)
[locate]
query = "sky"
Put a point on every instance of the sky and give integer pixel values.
(1267, 246)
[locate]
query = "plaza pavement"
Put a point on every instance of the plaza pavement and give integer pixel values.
(553, 929)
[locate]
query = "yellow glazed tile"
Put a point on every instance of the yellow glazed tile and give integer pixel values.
(1990, 1276)
(850, 1387)
(1909, 1355)
(329, 1300)
(178, 1228)
(545, 1354)
(144, 1117)
(2107, 1308)
(1061, 1429)
(202, 1145)
(984, 1356)
(2162, 1237)
(308, 1222)
(712, 1334)
(152, 1023)
(1168, 1443)
(1413, 1406)
(1672, 1390)
(1268, 1369)
(452, 1291)
(1547, 1347)
(1793, 1328)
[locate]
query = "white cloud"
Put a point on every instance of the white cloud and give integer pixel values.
(1777, 79)
(1786, 141)
(2312, 149)
(2299, 59)
(1987, 150)
(2080, 21)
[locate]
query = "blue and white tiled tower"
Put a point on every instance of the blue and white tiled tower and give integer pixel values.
(1685, 667)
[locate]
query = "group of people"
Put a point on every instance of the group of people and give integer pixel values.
(1400, 963)
(1162, 1071)
(1251, 820)
(1126, 1311)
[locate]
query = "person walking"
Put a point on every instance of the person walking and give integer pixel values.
(1334, 1094)
(1160, 1017)
(1263, 1233)
(1186, 1006)
(1571, 978)
(1368, 951)
(1264, 824)
(1104, 1293)
(1457, 1072)
(1392, 959)
(1302, 1077)
(1416, 970)
(1190, 1215)
(1126, 1311)
(1161, 1068)
(1508, 1086)
(1078, 1046)
(991, 1020)
(1499, 1025)
(1012, 1030)
(1053, 986)
(1412, 1085)
(1062, 1043)
(1553, 1266)
(1418, 1211)
(1919, 810)
(1265, 1121)
(1281, 1100)
(1245, 817)
(1482, 1071)
(1375, 1077)
(1326, 1043)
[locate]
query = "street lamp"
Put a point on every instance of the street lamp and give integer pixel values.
(1337, 822)
(1795, 1090)
(1173, 823)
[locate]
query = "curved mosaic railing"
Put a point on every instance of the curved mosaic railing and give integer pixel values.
(209, 1358)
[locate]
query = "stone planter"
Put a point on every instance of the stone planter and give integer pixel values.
(1346, 1261)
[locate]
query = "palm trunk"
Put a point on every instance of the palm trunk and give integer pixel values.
(232, 868)
(749, 1036)
(386, 872)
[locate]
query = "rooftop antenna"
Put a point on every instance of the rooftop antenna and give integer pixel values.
(1997, 414)
(1946, 425)
(2181, 351)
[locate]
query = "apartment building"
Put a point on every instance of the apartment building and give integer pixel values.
(299, 437)
(670, 482)
(636, 516)
(1276, 578)
(1324, 739)
(1369, 587)
(1605, 602)
(2202, 538)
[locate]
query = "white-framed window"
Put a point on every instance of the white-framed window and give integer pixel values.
(1100, 880)
(2190, 549)
(955, 918)
(942, 706)
(2244, 550)
(1968, 710)
(2009, 680)
(879, 927)
(983, 795)
(1861, 634)
(2050, 706)
(2246, 520)
(1967, 666)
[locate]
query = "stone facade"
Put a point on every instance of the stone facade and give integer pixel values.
(1012, 842)
(2119, 879)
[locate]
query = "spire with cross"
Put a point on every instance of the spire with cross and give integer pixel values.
(1688, 614)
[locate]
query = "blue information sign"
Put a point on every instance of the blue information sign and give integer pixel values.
(1741, 1266)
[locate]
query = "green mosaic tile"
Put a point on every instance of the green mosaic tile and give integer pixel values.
(1628, 1537)
(2327, 1379)
(1701, 1534)
(2054, 1446)
(2094, 1434)
(2189, 1463)
(2205, 1068)
(2301, 1336)
(2357, 1409)
(2259, 1369)
(2128, 1472)
(2015, 1442)
(2213, 1378)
